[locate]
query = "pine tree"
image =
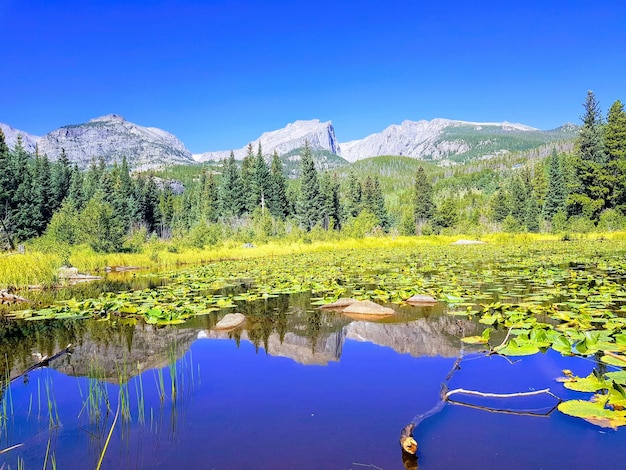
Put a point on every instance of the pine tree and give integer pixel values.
(373, 200)
(261, 180)
(423, 206)
(518, 199)
(209, 200)
(352, 206)
(61, 174)
(615, 145)
(277, 201)
(6, 230)
(500, 206)
(556, 195)
(592, 188)
(231, 191)
(310, 201)
(331, 208)
(247, 180)
(590, 144)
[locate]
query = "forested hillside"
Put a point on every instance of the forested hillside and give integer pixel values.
(306, 194)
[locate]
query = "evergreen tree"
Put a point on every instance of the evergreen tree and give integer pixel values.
(500, 206)
(531, 221)
(261, 180)
(6, 232)
(592, 184)
(331, 212)
(556, 194)
(149, 203)
(518, 199)
(61, 174)
(310, 200)
(277, 201)
(165, 211)
(615, 146)
(352, 205)
(75, 191)
(248, 181)
(590, 144)
(231, 195)
(423, 206)
(447, 214)
(373, 200)
(209, 201)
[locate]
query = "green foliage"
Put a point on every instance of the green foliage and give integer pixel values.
(99, 228)
(423, 199)
(556, 195)
(310, 203)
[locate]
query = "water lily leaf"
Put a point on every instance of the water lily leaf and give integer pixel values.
(614, 361)
(618, 377)
(594, 413)
(513, 348)
(474, 340)
(591, 383)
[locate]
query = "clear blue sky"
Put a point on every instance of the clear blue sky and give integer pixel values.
(219, 73)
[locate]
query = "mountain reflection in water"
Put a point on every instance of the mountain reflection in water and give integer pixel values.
(256, 397)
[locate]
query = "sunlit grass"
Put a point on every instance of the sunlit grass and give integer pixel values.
(41, 269)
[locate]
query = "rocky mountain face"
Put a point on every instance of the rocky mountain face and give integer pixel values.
(442, 140)
(319, 135)
(449, 141)
(113, 137)
(29, 141)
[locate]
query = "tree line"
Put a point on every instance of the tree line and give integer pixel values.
(111, 209)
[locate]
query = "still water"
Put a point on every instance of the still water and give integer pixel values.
(294, 388)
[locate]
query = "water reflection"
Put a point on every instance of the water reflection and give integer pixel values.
(286, 326)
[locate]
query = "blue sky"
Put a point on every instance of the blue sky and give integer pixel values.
(219, 73)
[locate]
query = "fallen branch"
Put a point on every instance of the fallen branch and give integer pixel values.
(532, 413)
(498, 395)
(44, 362)
(503, 343)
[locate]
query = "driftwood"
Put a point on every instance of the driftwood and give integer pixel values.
(7, 298)
(44, 362)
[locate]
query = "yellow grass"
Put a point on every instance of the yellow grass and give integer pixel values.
(36, 268)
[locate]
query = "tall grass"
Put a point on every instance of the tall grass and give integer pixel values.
(36, 268)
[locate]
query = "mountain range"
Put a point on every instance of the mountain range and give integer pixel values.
(442, 140)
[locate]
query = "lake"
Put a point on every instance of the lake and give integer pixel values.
(296, 387)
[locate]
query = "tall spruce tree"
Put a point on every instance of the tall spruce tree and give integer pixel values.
(61, 175)
(331, 212)
(310, 200)
(231, 190)
(374, 201)
(277, 201)
(423, 206)
(261, 180)
(248, 181)
(352, 205)
(592, 187)
(556, 194)
(615, 146)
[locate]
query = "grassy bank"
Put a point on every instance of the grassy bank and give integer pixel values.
(38, 268)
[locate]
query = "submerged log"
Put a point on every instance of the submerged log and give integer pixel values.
(409, 445)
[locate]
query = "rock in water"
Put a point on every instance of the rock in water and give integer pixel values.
(421, 299)
(230, 321)
(367, 307)
(339, 304)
